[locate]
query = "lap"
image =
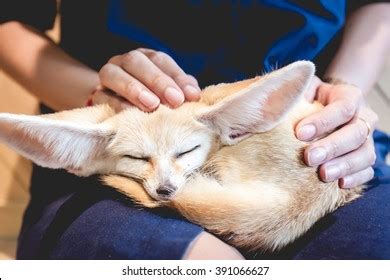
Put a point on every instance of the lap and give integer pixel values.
(98, 223)
(360, 230)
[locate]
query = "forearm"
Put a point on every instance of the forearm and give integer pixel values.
(365, 47)
(43, 68)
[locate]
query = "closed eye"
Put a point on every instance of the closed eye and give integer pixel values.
(186, 152)
(137, 158)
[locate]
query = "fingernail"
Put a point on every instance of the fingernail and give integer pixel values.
(346, 183)
(173, 96)
(332, 173)
(316, 156)
(306, 132)
(192, 92)
(148, 99)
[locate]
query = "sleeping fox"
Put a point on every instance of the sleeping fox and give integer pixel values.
(229, 162)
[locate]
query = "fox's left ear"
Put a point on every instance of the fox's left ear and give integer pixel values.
(261, 105)
(74, 140)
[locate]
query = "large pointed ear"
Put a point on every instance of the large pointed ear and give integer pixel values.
(74, 140)
(258, 106)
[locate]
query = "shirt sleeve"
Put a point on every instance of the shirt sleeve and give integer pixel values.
(353, 5)
(39, 14)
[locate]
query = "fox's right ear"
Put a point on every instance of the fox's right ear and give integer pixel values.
(259, 105)
(74, 140)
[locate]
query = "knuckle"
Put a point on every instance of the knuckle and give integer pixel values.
(114, 58)
(348, 167)
(159, 57)
(348, 110)
(159, 82)
(361, 134)
(131, 89)
(334, 149)
(323, 124)
(131, 58)
(144, 50)
(192, 79)
(182, 79)
(106, 72)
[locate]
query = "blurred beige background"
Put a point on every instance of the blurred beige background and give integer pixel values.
(15, 171)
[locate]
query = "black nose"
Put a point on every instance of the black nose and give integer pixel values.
(166, 190)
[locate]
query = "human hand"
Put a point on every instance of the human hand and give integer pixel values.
(144, 78)
(347, 153)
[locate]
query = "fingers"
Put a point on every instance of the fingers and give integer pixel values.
(159, 73)
(115, 78)
(187, 83)
(349, 164)
(140, 67)
(340, 142)
(340, 108)
(357, 179)
(345, 154)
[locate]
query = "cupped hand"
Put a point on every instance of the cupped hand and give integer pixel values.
(144, 78)
(345, 149)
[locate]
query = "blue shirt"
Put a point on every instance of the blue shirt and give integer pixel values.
(214, 40)
(268, 34)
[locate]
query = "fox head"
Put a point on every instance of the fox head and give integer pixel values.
(161, 150)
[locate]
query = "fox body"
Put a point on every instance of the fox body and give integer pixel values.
(230, 162)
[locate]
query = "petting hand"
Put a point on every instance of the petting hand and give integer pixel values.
(346, 153)
(144, 78)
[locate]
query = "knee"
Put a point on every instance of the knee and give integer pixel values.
(207, 247)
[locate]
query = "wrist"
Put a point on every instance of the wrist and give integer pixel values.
(89, 101)
(337, 81)
(344, 78)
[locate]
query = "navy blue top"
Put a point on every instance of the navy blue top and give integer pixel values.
(213, 40)
(228, 37)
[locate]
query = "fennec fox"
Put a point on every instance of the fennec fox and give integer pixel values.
(230, 162)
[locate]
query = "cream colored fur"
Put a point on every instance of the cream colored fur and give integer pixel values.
(231, 161)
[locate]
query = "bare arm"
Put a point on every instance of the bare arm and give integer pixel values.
(365, 47)
(142, 77)
(43, 68)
